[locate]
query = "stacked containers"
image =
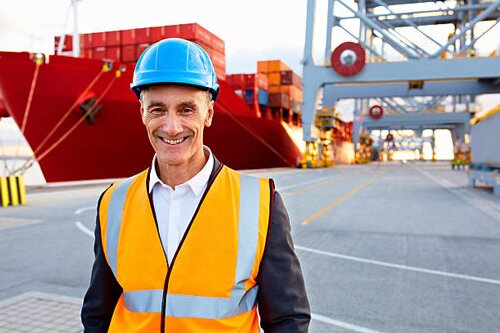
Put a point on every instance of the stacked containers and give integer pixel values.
(285, 88)
(251, 87)
(126, 46)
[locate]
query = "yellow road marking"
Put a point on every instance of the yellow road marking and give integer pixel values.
(308, 187)
(343, 198)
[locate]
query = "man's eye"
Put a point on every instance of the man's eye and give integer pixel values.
(156, 110)
(186, 110)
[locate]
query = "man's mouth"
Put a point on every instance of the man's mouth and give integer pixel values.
(173, 142)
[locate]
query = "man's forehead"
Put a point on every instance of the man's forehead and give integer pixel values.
(174, 93)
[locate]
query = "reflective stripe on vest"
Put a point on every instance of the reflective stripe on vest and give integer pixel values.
(191, 306)
(115, 213)
(197, 306)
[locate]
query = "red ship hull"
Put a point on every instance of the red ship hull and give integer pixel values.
(115, 144)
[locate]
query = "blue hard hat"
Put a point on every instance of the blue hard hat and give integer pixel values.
(175, 61)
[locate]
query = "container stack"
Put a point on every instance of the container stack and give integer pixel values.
(285, 90)
(252, 88)
(126, 46)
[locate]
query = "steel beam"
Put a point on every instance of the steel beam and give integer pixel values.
(414, 70)
(333, 93)
(418, 120)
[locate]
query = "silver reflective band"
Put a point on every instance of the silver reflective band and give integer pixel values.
(248, 231)
(115, 212)
(185, 306)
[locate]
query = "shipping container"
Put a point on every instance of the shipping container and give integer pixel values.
(68, 43)
(113, 38)
(142, 35)
(157, 34)
(139, 49)
(128, 53)
(269, 66)
(262, 96)
(279, 100)
(98, 53)
(127, 36)
(113, 52)
(98, 39)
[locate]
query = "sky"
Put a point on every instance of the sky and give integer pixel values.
(252, 30)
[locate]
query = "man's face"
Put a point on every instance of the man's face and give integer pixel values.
(174, 117)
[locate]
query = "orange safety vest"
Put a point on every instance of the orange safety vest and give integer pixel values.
(211, 283)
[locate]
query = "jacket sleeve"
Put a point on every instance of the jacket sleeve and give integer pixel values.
(103, 293)
(282, 298)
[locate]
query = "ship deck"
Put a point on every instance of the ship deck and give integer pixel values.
(390, 247)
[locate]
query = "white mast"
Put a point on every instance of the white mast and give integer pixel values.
(76, 35)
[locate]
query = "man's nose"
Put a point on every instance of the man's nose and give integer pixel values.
(172, 125)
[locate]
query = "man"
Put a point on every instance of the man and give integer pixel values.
(190, 245)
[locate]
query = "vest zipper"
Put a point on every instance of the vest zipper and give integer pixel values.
(170, 267)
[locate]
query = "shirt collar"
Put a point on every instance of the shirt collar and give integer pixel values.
(197, 183)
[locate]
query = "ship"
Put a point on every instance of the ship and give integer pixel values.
(83, 122)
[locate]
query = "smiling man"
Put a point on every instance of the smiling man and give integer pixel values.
(190, 245)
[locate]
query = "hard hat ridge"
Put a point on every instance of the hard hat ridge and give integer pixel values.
(175, 61)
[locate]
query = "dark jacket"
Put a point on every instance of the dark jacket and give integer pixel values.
(282, 299)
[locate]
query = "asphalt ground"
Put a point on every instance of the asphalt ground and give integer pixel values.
(398, 247)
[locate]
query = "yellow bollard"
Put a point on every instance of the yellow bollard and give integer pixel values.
(4, 192)
(14, 194)
(12, 191)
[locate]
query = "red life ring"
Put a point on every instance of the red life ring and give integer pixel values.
(348, 58)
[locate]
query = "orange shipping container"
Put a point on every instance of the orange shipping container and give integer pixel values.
(274, 78)
(269, 66)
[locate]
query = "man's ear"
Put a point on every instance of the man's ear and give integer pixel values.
(210, 114)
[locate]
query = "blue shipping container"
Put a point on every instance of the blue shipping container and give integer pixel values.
(263, 97)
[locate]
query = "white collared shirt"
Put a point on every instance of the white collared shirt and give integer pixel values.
(174, 209)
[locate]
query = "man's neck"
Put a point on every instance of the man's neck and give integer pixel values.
(173, 175)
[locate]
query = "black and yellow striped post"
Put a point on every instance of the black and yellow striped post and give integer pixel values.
(12, 191)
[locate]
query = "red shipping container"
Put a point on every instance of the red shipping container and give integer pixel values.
(139, 49)
(255, 81)
(68, 43)
(218, 44)
(128, 36)
(87, 40)
(113, 38)
(113, 52)
(218, 60)
(98, 39)
(128, 53)
(171, 31)
(98, 53)
(142, 35)
(194, 31)
(156, 34)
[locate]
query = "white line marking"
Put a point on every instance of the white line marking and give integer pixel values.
(84, 229)
(408, 268)
(84, 209)
(342, 324)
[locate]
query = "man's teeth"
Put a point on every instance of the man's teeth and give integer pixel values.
(173, 142)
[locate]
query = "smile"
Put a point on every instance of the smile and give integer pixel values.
(173, 142)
